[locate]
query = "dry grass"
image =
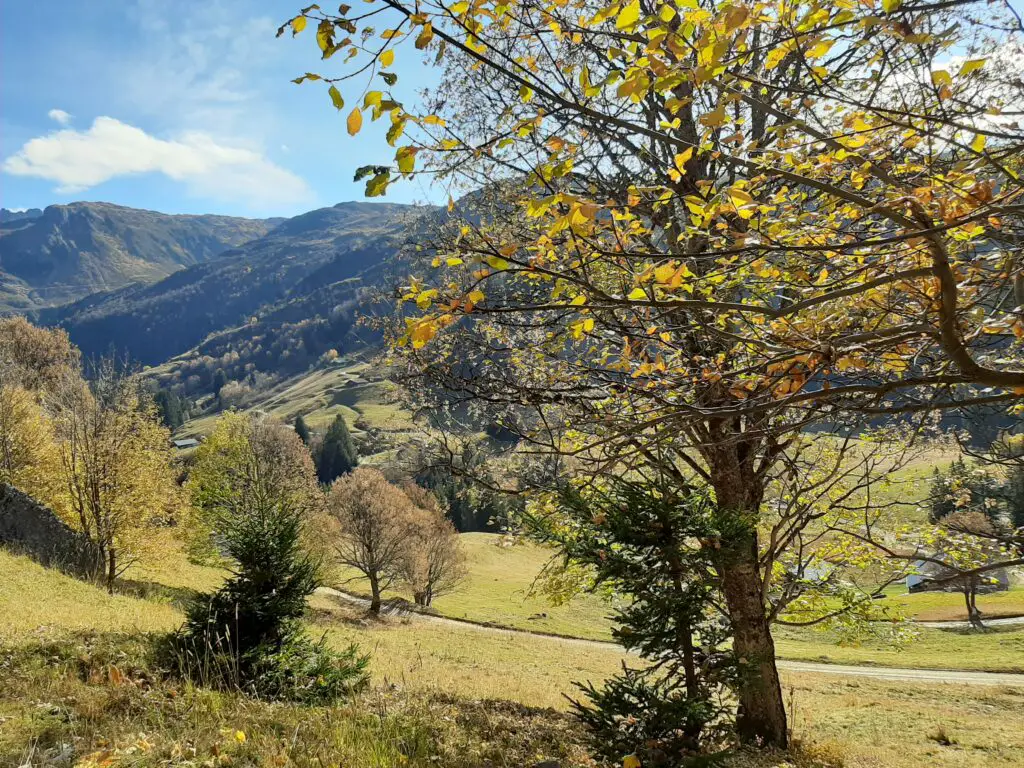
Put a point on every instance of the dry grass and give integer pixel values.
(457, 695)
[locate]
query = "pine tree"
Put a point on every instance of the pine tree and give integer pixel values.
(302, 430)
(219, 380)
(338, 454)
(254, 483)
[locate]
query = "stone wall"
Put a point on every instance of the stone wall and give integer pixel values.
(30, 528)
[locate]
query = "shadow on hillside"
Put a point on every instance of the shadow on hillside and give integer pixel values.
(179, 597)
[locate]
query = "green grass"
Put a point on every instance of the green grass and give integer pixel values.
(949, 606)
(497, 591)
(999, 649)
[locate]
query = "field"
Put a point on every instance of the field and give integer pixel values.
(499, 590)
(441, 693)
(340, 388)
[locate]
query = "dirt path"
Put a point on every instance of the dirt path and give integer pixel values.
(959, 677)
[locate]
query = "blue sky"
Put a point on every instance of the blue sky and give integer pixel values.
(182, 106)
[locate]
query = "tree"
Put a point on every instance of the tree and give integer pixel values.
(302, 430)
(640, 538)
(219, 380)
(38, 357)
(28, 456)
(433, 563)
(253, 480)
(963, 545)
(374, 523)
(116, 468)
(701, 229)
(171, 407)
(337, 454)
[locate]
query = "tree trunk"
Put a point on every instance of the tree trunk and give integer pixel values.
(374, 595)
(971, 598)
(761, 716)
(111, 569)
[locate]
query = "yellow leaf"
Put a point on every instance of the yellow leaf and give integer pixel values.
(978, 144)
(941, 77)
(387, 58)
(298, 24)
(637, 294)
(970, 66)
(714, 119)
(682, 158)
(664, 273)
(336, 99)
(578, 301)
(476, 296)
(628, 16)
(424, 38)
(355, 122)
(891, 5)
(631, 761)
(240, 737)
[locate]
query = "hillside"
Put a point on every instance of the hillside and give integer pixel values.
(307, 267)
(70, 251)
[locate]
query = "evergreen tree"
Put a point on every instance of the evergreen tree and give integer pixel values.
(338, 454)
(302, 430)
(219, 380)
(171, 408)
(648, 543)
(254, 483)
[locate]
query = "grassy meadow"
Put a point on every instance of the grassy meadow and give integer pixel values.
(441, 694)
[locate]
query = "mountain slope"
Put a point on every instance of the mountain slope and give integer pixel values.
(307, 267)
(70, 251)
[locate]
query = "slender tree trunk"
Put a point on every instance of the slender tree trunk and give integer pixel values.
(971, 598)
(374, 595)
(111, 569)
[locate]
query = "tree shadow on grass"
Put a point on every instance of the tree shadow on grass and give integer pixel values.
(179, 597)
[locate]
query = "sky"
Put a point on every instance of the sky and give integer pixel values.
(180, 106)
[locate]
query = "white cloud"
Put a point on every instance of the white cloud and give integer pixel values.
(59, 115)
(77, 160)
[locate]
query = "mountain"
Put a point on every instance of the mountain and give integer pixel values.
(276, 302)
(70, 251)
(7, 215)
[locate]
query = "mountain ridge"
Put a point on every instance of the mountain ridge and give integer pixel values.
(70, 251)
(302, 278)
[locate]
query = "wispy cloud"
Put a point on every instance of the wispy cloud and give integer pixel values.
(59, 115)
(77, 160)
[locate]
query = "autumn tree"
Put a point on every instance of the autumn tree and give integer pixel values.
(37, 357)
(701, 228)
(433, 563)
(374, 521)
(116, 468)
(28, 453)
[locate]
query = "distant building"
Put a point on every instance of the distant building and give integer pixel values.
(187, 442)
